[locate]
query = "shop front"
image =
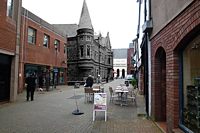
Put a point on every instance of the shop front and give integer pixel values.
(50, 76)
(190, 86)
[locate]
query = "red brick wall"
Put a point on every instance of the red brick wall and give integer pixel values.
(7, 29)
(37, 54)
(141, 80)
(129, 64)
(171, 38)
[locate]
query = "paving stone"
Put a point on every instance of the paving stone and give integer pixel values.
(51, 112)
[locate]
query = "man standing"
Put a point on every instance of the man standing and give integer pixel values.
(30, 80)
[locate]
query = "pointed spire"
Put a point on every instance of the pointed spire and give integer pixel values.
(85, 21)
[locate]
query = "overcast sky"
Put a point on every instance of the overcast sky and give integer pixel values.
(118, 17)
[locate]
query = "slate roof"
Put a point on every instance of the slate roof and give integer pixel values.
(85, 21)
(67, 29)
(103, 41)
(120, 53)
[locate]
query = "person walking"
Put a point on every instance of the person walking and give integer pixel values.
(40, 82)
(30, 89)
(47, 81)
(89, 81)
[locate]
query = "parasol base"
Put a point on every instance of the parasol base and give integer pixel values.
(77, 112)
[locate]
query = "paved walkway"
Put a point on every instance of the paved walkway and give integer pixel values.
(51, 112)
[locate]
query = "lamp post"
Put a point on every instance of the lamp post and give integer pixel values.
(55, 69)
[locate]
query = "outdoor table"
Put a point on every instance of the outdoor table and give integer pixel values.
(96, 90)
(122, 92)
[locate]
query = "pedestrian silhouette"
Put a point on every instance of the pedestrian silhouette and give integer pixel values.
(89, 81)
(30, 89)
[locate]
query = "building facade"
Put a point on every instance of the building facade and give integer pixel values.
(42, 51)
(174, 68)
(130, 59)
(9, 48)
(88, 54)
(120, 62)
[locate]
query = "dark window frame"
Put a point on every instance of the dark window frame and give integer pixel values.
(88, 51)
(81, 50)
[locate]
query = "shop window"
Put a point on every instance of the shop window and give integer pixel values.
(31, 35)
(191, 86)
(46, 41)
(9, 8)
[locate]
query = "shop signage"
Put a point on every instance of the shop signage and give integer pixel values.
(55, 70)
(100, 104)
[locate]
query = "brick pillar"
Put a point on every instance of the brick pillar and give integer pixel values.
(172, 90)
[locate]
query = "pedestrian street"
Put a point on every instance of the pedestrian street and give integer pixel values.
(51, 112)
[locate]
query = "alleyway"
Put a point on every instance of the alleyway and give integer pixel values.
(51, 112)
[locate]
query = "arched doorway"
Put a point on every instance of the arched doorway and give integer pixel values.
(123, 73)
(118, 73)
(160, 85)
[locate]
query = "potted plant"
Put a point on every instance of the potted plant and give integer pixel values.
(134, 83)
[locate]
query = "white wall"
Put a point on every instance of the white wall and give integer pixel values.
(119, 64)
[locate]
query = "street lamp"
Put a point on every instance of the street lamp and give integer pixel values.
(55, 69)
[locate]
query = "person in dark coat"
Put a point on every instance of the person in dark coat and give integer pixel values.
(40, 81)
(47, 81)
(30, 89)
(89, 81)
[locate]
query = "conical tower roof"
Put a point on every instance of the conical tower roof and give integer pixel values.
(85, 21)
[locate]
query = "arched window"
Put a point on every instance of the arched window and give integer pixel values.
(88, 50)
(81, 51)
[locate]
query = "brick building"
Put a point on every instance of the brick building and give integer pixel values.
(174, 47)
(130, 59)
(42, 51)
(88, 54)
(9, 48)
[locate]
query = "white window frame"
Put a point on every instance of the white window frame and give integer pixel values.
(31, 36)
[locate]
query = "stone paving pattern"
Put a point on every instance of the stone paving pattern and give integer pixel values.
(51, 112)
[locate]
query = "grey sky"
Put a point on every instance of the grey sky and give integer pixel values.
(118, 17)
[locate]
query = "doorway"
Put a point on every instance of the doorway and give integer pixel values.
(5, 65)
(123, 73)
(160, 85)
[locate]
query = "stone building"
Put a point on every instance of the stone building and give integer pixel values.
(9, 48)
(170, 54)
(88, 54)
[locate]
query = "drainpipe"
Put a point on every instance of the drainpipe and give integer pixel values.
(149, 56)
(138, 28)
